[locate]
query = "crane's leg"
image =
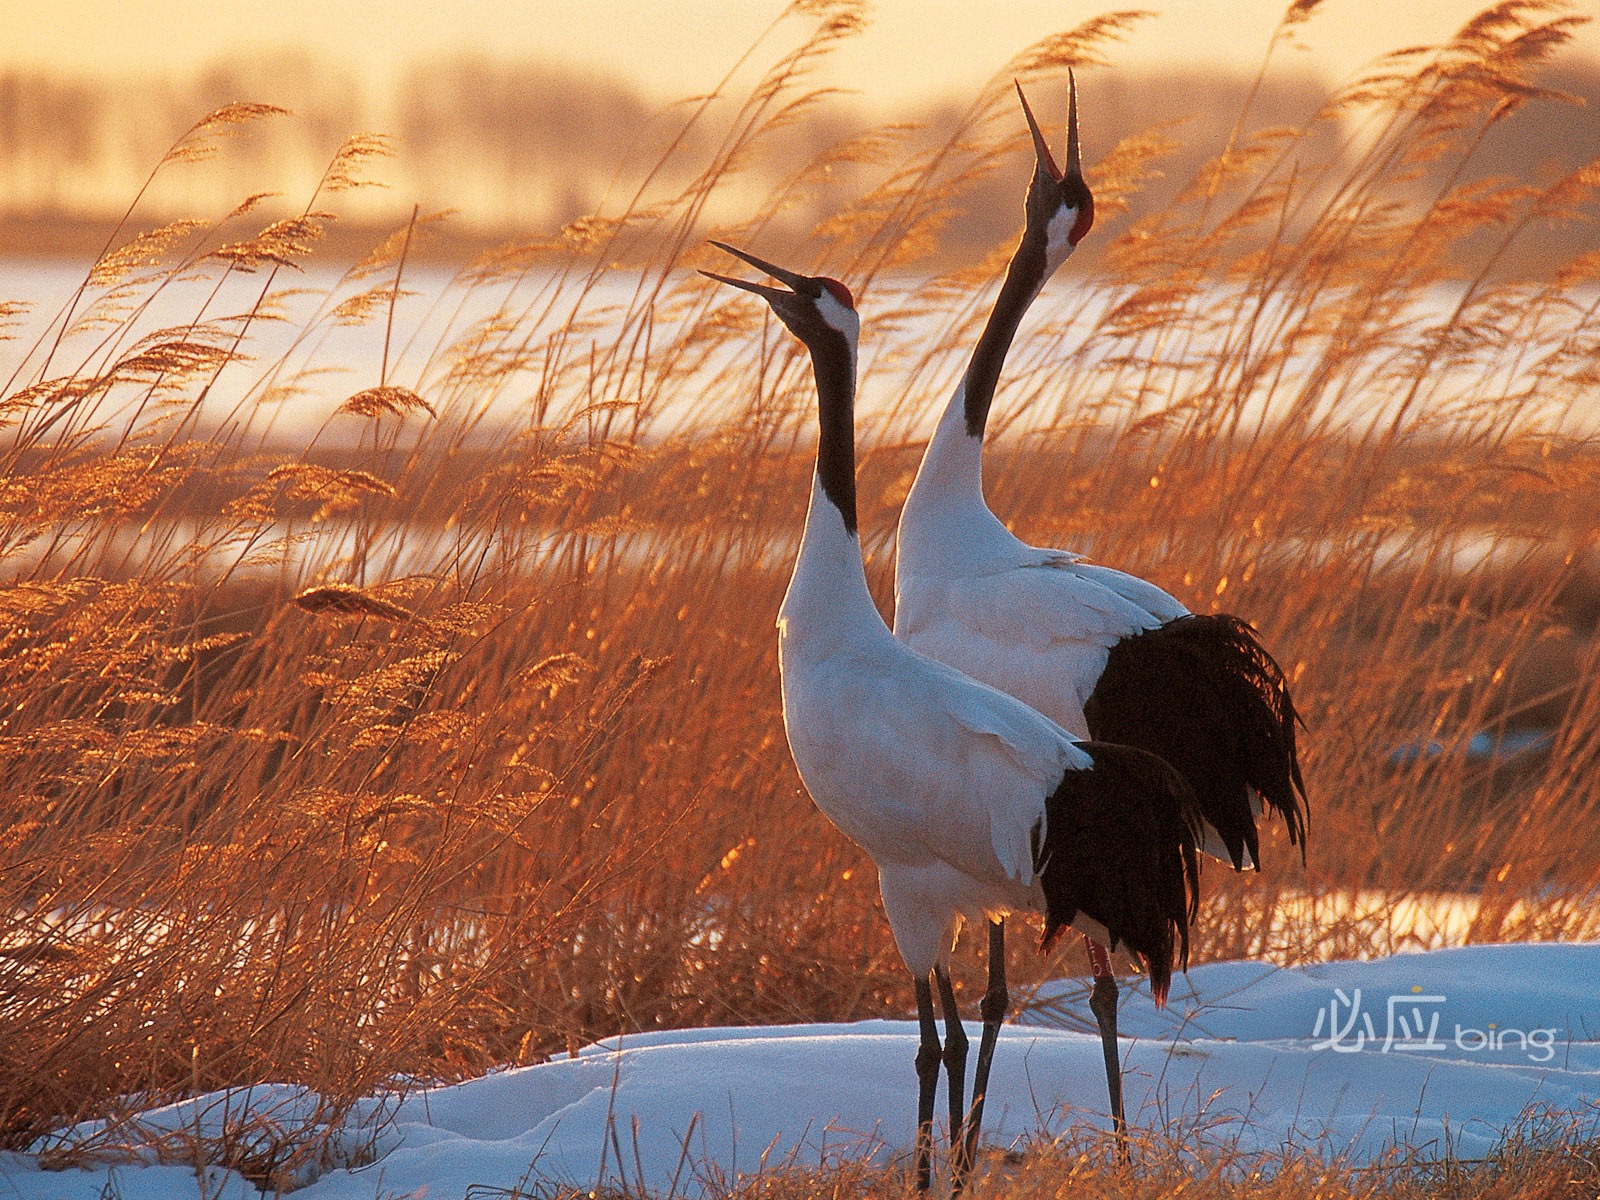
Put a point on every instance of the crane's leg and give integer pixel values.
(928, 1058)
(1103, 1003)
(996, 1002)
(955, 1066)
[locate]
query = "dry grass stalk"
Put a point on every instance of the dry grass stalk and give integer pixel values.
(412, 747)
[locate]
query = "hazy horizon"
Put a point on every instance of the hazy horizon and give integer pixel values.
(909, 51)
(518, 146)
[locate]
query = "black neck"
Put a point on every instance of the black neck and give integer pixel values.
(834, 367)
(1022, 282)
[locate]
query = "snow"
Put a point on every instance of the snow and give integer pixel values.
(1440, 1052)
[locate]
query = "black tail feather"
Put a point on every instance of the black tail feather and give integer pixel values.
(1203, 694)
(1121, 847)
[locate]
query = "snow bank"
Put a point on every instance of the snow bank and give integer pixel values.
(1442, 1052)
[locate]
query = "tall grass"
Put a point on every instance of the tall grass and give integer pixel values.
(1545, 1157)
(393, 694)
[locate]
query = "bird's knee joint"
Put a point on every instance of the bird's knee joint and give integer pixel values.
(996, 1003)
(1103, 1000)
(929, 1058)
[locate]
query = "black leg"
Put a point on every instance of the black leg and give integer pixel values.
(928, 1057)
(996, 1002)
(955, 1066)
(1103, 1003)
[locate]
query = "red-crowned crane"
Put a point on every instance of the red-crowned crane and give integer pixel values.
(1106, 655)
(971, 804)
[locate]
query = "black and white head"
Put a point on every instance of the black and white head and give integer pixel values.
(817, 310)
(1060, 206)
(821, 313)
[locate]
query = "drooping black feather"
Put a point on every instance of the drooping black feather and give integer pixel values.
(1203, 694)
(1120, 846)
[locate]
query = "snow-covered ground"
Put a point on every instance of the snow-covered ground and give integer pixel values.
(1442, 1052)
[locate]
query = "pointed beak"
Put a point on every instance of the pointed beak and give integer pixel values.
(769, 294)
(795, 281)
(1074, 165)
(1045, 161)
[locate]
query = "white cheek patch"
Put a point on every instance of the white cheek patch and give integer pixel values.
(1056, 233)
(838, 315)
(1060, 228)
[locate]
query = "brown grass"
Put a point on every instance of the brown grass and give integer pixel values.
(442, 731)
(1545, 1158)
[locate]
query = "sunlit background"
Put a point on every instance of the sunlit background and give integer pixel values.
(518, 117)
(388, 686)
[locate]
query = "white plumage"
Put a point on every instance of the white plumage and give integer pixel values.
(1104, 653)
(971, 804)
(1042, 624)
(941, 780)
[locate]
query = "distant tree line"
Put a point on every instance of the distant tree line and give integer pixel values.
(519, 150)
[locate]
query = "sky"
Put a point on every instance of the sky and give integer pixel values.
(913, 50)
(1442, 1052)
(347, 67)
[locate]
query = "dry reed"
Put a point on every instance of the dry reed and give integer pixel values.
(442, 731)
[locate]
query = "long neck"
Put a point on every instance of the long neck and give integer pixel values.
(828, 597)
(833, 363)
(1024, 279)
(951, 471)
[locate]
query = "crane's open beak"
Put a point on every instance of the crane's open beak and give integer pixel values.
(1046, 162)
(796, 281)
(1054, 190)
